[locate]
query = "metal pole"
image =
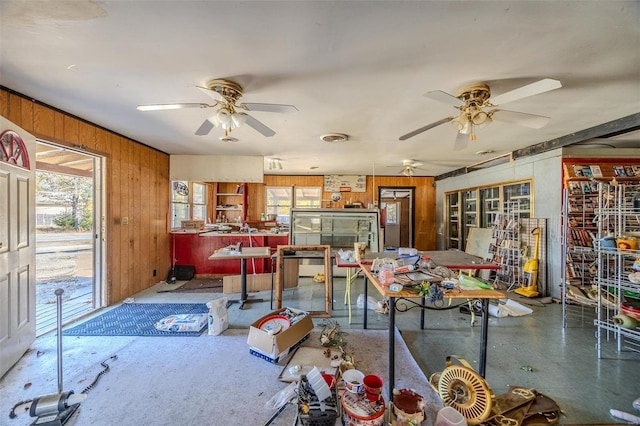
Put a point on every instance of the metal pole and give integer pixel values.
(58, 294)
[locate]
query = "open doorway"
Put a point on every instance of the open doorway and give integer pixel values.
(397, 207)
(69, 228)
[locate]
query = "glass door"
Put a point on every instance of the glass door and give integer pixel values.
(490, 206)
(453, 213)
(469, 214)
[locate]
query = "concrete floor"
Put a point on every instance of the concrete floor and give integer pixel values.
(530, 351)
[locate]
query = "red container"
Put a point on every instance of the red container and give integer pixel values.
(372, 386)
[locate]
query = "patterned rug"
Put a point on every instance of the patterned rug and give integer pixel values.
(137, 319)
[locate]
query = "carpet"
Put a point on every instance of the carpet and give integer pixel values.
(212, 380)
(200, 285)
(137, 319)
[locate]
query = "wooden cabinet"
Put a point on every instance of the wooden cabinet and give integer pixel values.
(230, 202)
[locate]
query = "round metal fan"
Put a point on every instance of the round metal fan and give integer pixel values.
(229, 114)
(465, 390)
(472, 101)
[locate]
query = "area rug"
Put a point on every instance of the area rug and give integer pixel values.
(212, 380)
(137, 319)
(200, 285)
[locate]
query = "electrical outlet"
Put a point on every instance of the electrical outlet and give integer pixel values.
(125, 220)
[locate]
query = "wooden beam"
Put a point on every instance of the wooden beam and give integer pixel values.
(53, 168)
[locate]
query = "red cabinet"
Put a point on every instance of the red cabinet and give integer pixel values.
(195, 249)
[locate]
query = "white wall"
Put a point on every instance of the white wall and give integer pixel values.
(545, 170)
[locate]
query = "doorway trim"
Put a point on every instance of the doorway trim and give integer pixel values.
(64, 160)
(411, 190)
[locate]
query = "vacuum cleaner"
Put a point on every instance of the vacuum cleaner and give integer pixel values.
(530, 270)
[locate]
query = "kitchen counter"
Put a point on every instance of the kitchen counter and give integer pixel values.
(193, 247)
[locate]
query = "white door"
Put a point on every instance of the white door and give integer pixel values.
(17, 244)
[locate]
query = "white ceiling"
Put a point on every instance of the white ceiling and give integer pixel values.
(354, 67)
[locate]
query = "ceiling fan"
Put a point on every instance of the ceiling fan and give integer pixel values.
(229, 115)
(409, 167)
(472, 101)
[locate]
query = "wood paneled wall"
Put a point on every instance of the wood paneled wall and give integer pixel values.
(137, 188)
(425, 199)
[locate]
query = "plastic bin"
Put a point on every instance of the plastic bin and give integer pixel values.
(449, 416)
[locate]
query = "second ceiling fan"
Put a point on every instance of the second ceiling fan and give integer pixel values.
(230, 113)
(472, 101)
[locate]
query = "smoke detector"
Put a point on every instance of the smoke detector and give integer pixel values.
(334, 137)
(228, 139)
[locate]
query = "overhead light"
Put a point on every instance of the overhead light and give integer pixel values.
(334, 137)
(460, 122)
(408, 171)
(228, 119)
(275, 164)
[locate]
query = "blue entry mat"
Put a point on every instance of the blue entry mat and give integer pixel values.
(137, 319)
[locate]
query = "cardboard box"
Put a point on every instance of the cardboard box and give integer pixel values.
(192, 224)
(274, 347)
(258, 282)
(282, 355)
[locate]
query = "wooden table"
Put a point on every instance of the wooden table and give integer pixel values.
(450, 259)
(244, 254)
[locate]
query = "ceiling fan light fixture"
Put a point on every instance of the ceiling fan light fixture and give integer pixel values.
(408, 171)
(238, 118)
(478, 117)
(467, 129)
(224, 117)
(459, 122)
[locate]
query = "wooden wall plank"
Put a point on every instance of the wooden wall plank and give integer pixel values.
(86, 136)
(43, 121)
(70, 130)
(114, 224)
(144, 233)
(127, 176)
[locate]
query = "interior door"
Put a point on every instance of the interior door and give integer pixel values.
(17, 244)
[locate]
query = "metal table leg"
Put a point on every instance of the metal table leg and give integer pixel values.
(483, 336)
(392, 346)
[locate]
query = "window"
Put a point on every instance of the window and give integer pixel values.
(188, 201)
(280, 200)
(199, 202)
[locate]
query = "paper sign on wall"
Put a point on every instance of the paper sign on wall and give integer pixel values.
(345, 183)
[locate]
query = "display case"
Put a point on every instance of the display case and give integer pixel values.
(339, 228)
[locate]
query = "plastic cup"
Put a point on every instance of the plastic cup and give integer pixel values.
(372, 386)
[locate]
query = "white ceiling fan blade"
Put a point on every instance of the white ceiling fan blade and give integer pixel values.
(444, 97)
(204, 128)
(462, 140)
(259, 127)
(159, 107)
(215, 95)
(425, 128)
(520, 118)
(267, 107)
(536, 88)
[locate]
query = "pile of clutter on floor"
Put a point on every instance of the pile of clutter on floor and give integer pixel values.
(343, 392)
